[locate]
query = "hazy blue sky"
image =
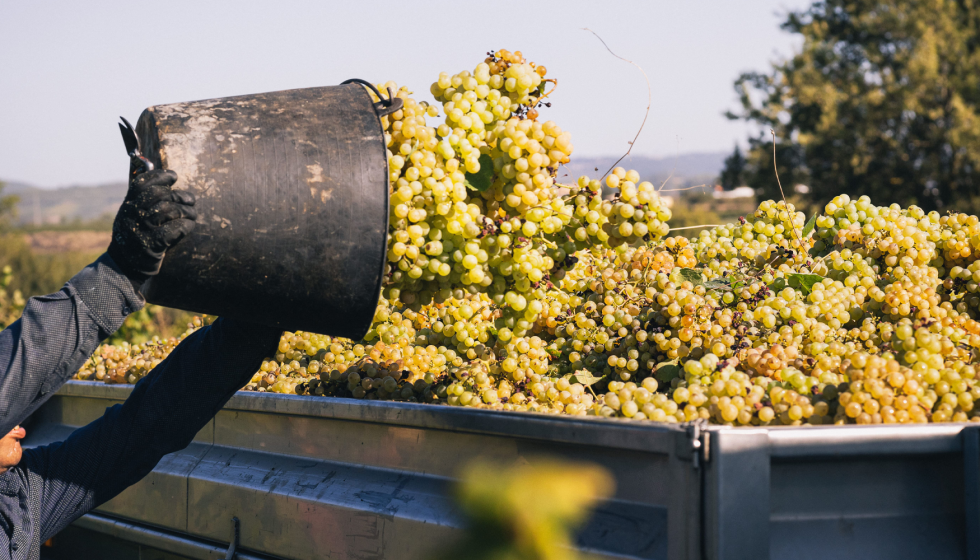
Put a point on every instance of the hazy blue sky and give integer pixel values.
(69, 69)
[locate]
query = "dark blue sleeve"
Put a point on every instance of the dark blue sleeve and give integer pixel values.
(163, 414)
(56, 334)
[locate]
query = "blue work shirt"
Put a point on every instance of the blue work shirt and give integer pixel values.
(56, 484)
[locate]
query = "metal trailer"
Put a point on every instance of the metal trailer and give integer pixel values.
(310, 477)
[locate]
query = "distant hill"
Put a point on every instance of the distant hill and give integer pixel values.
(41, 207)
(684, 169)
(57, 206)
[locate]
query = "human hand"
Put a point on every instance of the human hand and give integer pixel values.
(153, 217)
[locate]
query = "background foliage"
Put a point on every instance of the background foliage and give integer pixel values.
(26, 273)
(881, 100)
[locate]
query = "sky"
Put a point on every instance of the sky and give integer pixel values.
(68, 70)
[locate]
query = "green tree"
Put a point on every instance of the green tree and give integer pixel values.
(732, 174)
(882, 99)
(8, 207)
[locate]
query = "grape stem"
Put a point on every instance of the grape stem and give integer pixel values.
(649, 100)
(776, 170)
(553, 81)
(694, 227)
(701, 186)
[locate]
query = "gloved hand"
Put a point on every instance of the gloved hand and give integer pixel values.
(152, 218)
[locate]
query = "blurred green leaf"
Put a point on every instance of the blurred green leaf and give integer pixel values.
(717, 285)
(584, 377)
(692, 276)
(778, 284)
(803, 282)
(810, 224)
(525, 511)
(482, 179)
(667, 371)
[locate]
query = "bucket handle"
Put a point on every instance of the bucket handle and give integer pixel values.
(383, 107)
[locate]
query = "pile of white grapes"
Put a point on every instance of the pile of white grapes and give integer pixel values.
(506, 290)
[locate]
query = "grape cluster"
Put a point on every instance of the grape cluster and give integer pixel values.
(475, 204)
(508, 291)
(128, 363)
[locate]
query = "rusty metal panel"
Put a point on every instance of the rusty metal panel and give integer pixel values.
(314, 478)
(308, 509)
(160, 498)
(736, 494)
(648, 437)
(869, 492)
(390, 474)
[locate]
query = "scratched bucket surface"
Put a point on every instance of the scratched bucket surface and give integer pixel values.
(292, 201)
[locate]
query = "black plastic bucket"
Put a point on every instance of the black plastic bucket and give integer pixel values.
(292, 197)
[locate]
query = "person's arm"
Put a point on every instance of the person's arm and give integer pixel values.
(162, 415)
(57, 333)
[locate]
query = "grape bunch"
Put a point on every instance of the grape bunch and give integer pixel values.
(128, 363)
(475, 204)
(507, 290)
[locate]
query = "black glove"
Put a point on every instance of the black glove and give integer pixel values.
(152, 218)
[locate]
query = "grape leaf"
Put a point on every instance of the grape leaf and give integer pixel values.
(810, 224)
(717, 285)
(584, 377)
(692, 276)
(804, 282)
(666, 371)
(482, 179)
